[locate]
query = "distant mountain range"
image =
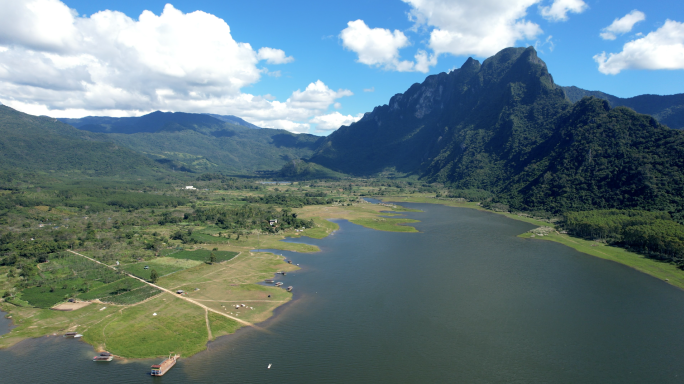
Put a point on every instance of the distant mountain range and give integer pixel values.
(506, 127)
(43, 144)
(153, 122)
(161, 141)
(668, 110)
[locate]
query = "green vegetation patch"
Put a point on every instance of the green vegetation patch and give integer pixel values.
(48, 296)
(221, 325)
(163, 266)
(136, 332)
(203, 255)
(134, 296)
(387, 224)
(114, 288)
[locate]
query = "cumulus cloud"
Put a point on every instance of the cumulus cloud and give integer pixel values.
(332, 121)
(274, 56)
(661, 49)
(56, 63)
(473, 27)
(622, 25)
(380, 47)
(558, 11)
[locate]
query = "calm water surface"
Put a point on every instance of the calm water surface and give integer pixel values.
(463, 301)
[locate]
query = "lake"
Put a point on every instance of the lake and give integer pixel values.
(464, 300)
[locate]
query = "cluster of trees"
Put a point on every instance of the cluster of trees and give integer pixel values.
(654, 234)
(230, 183)
(288, 200)
(93, 199)
(248, 217)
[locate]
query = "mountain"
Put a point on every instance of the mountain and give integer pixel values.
(504, 126)
(668, 109)
(234, 120)
(39, 144)
(198, 142)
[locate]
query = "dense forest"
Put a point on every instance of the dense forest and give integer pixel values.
(653, 234)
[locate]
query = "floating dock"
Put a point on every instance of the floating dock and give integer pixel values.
(164, 366)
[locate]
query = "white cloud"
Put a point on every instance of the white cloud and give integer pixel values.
(371, 89)
(274, 56)
(622, 25)
(55, 63)
(558, 11)
(380, 47)
(332, 121)
(661, 49)
(477, 27)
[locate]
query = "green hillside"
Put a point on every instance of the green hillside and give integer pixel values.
(200, 143)
(38, 144)
(668, 109)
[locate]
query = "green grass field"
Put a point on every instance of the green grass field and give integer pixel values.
(203, 255)
(163, 266)
(132, 297)
(42, 297)
(135, 332)
(387, 224)
(114, 288)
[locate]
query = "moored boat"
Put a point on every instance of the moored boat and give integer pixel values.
(104, 356)
(164, 366)
(289, 289)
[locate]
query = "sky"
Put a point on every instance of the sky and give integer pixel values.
(312, 66)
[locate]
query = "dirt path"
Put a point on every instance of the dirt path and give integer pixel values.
(169, 291)
(206, 318)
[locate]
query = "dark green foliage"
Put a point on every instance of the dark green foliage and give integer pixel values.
(249, 217)
(133, 296)
(288, 200)
(154, 276)
(298, 169)
(668, 110)
(652, 233)
(602, 158)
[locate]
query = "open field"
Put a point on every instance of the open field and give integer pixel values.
(163, 266)
(203, 255)
(128, 327)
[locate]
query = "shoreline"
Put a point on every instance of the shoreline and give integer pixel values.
(665, 272)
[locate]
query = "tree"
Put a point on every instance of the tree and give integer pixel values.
(154, 276)
(212, 258)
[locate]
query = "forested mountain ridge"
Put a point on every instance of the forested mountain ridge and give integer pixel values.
(667, 109)
(153, 122)
(38, 144)
(199, 142)
(506, 104)
(505, 127)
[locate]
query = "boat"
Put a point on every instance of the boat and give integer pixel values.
(104, 356)
(72, 335)
(270, 281)
(289, 289)
(164, 366)
(278, 284)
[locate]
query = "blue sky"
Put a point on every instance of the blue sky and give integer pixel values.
(320, 71)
